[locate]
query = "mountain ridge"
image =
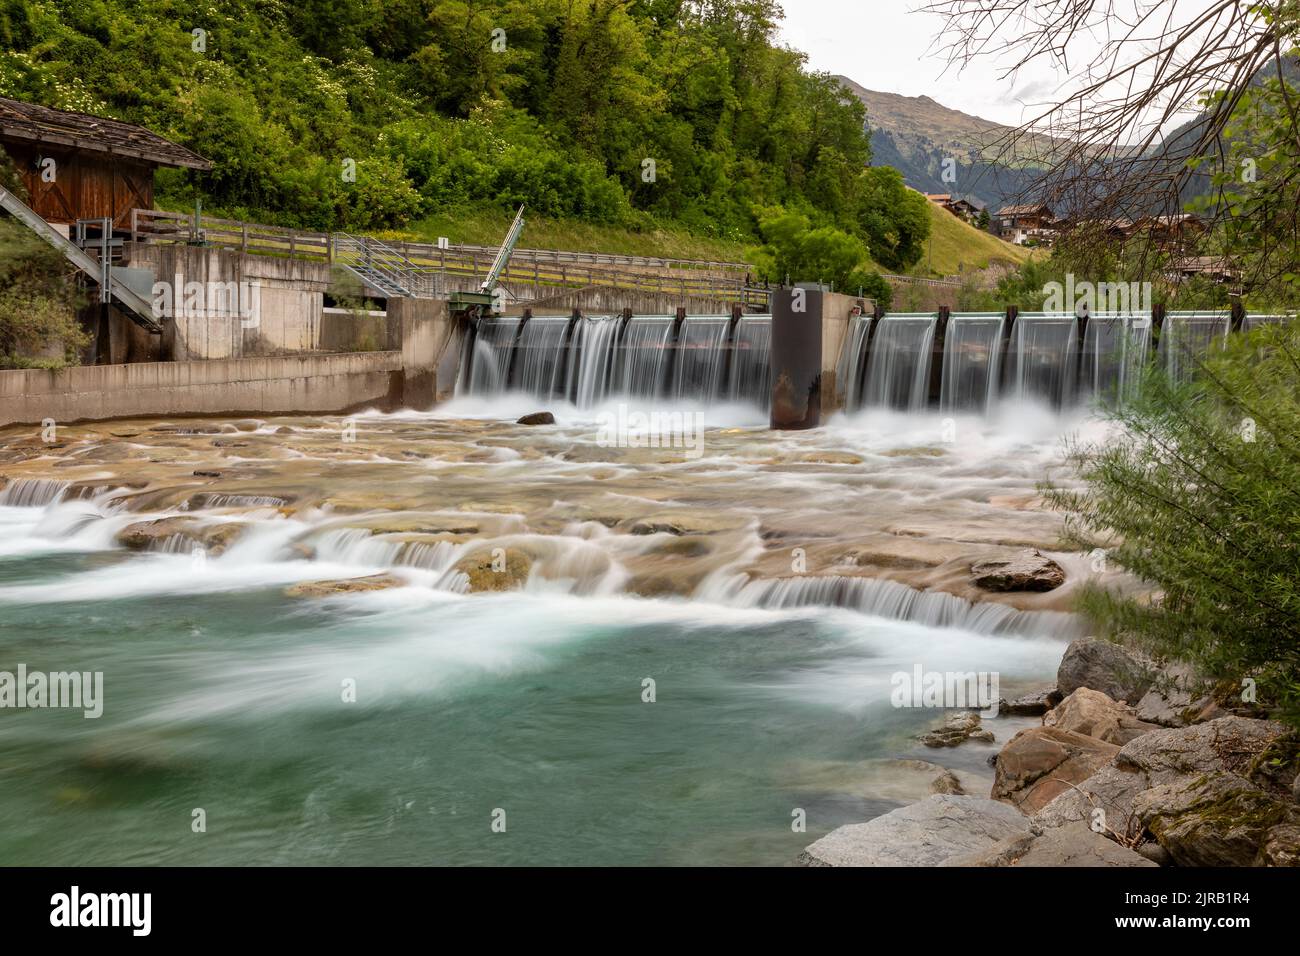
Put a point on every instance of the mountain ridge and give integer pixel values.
(917, 134)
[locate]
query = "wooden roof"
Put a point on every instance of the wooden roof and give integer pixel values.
(31, 124)
(1024, 211)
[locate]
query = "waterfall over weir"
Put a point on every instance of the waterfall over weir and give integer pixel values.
(1045, 358)
(898, 373)
(972, 361)
(1114, 347)
(586, 360)
(961, 363)
(1188, 335)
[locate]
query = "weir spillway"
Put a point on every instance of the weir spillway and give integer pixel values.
(587, 359)
(950, 362)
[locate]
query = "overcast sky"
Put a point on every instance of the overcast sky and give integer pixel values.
(884, 45)
(879, 44)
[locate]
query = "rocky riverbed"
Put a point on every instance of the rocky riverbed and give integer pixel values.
(868, 516)
(1190, 776)
(228, 574)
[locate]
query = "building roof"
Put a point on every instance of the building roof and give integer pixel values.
(938, 197)
(29, 123)
(1024, 210)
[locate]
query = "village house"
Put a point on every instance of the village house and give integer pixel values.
(1026, 225)
(961, 208)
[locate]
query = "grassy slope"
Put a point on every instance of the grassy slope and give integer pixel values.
(956, 245)
(487, 227)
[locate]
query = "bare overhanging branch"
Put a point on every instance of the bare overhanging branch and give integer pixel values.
(1105, 147)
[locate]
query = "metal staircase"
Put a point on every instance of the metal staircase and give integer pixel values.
(385, 270)
(139, 309)
(390, 274)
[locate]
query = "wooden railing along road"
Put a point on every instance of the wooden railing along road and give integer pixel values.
(542, 267)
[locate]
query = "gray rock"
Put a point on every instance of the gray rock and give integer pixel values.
(1101, 665)
(1218, 819)
(1156, 854)
(1003, 853)
(1030, 705)
(1168, 708)
(923, 834)
(1281, 846)
(1024, 571)
(1109, 789)
(1039, 764)
(1072, 845)
(1093, 714)
(537, 418)
(1231, 744)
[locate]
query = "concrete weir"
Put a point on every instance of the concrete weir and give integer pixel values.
(314, 383)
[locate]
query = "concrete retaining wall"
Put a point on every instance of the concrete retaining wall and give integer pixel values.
(289, 301)
(253, 386)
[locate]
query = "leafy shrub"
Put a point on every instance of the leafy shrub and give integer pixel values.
(1201, 484)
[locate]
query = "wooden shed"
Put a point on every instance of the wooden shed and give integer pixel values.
(100, 167)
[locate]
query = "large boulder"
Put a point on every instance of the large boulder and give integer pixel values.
(1232, 744)
(1074, 844)
(1093, 714)
(1030, 705)
(1024, 571)
(923, 834)
(1040, 763)
(1218, 819)
(1101, 665)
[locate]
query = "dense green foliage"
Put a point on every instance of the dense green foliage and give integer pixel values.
(38, 295)
(629, 112)
(1201, 485)
(1257, 188)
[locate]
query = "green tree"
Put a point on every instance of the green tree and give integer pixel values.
(894, 220)
(1200, 484)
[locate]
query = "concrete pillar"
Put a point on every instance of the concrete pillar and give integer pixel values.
(797, 364)
(809, 329)
(426, 327)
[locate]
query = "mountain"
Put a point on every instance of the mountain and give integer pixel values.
(915, 134)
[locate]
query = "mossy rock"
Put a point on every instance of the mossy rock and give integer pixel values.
(503, 572)
(1216, 819)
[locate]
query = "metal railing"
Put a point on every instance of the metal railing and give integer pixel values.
(385, 269)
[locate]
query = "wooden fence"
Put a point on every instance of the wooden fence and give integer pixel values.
(542, 267)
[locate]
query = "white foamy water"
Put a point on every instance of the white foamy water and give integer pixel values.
(380, 726)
